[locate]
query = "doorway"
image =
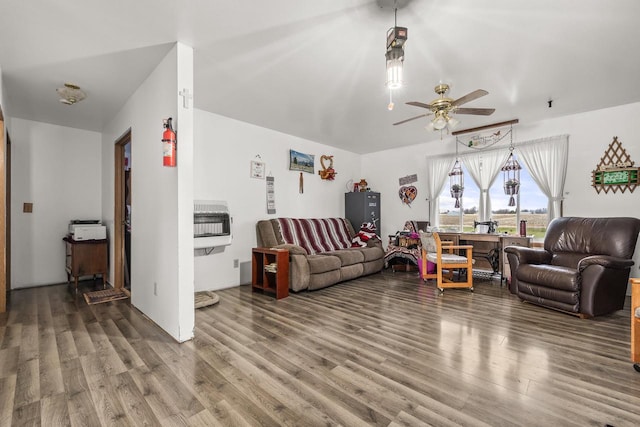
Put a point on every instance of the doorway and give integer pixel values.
(122, 214)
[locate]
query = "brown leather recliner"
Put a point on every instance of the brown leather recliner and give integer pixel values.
(583, 268)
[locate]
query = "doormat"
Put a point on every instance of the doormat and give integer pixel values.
(205, 299)
(97, 297)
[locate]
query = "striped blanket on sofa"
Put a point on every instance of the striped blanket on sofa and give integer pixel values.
(316, 235)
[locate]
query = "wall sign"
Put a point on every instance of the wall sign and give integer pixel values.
(618, 177)
(409, 179)
(271, 198)
(257, 169)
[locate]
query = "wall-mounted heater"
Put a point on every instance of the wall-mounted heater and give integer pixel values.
(211, 224)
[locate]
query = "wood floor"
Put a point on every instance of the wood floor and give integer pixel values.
(384, 350)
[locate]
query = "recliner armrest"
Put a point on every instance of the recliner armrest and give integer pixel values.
(529, 255)
(605, 261)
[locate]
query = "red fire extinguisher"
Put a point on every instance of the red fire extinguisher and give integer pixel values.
(168, 144)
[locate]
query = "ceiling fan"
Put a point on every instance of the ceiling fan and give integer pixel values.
(443, 107)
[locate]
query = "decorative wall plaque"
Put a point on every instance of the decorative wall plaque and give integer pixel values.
(615, 170)
(409, 179)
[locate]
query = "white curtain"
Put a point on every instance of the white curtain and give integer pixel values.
(438, 169)
(546, 161)
(484, 168)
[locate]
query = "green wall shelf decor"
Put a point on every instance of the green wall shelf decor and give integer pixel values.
(615, 170)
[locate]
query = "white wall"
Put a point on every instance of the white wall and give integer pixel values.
(223, 151)
(58, 169)
(162, 208)
(588, 141)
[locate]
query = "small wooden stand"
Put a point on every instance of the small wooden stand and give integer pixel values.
(86, 258)
(635, 321)
(270, 268)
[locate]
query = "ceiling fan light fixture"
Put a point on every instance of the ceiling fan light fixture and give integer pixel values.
(439, 122)
(452, 123)
(70, 94)
(443, 107)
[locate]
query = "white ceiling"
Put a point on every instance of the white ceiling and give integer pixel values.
(316, 69)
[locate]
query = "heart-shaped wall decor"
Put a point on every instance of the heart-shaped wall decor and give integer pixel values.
(408, 194)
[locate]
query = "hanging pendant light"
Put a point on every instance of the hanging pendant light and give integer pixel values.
(456, 180)
(511, 175)
(396, 39)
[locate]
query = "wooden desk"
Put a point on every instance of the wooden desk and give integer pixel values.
(86, 258)
(488, 249)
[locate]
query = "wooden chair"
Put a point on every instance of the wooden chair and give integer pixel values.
(635, 323)
(444, 255)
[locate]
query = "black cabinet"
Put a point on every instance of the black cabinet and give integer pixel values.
(362, 207)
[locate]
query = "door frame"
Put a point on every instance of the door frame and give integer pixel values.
(119, 215)
(8, 213)
(3, 216)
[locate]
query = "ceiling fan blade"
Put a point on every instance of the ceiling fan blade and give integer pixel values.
(412, 118)
(475, 111)
(419, 104)
(470, 97)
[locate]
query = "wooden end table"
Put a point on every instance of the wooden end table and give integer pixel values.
(270, 271)
(86, 258)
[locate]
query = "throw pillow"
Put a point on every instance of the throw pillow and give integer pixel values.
(366, 233)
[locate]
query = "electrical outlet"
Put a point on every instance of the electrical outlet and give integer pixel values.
(236, 263)
(155, 288)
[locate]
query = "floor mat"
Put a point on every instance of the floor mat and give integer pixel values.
(205, 299)
(97, 297)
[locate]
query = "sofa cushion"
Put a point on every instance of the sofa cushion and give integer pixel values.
(550, 276)
(347, 256)
(371, 267)
(601, 236)
(371, 253)
(351, 272)
(568, 259)
(316, 235)
(322, 280)
(268, 234)
(323, 263)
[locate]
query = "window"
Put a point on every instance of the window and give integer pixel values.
(547, 158)
(457, 219)
(531, 206)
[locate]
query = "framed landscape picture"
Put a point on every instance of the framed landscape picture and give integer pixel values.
(301, 162)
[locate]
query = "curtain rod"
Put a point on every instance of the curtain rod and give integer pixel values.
(498, 148)
(495, 125)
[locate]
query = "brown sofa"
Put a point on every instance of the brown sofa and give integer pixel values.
(320, 250)
(583, 268)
